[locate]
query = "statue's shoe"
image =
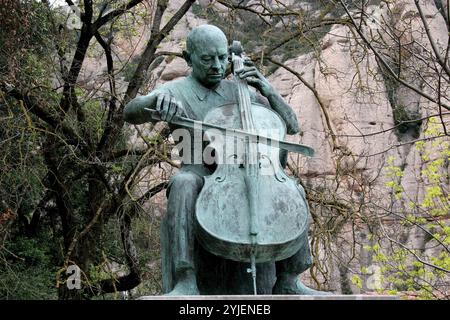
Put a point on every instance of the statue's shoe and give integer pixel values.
(291, 284)
(184, 288)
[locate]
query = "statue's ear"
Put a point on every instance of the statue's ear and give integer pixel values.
(187, 57)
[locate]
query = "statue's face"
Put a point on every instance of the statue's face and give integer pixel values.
(209, 61)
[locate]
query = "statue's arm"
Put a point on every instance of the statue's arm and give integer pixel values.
(285, 111)
(277, 103)
(134, 111)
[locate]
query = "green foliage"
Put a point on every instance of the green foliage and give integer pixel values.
(357, 281)
(146, 228)
(24, 39)
(95, 112)
(26, 283)
(27, 268)
(395, 174)
(410, 269)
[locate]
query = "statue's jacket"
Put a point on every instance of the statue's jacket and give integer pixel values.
(197, 101)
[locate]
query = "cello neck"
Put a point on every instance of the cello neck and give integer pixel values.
(245, 109)
(243, 94)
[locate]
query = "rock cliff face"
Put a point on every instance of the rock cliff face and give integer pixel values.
(348, 110)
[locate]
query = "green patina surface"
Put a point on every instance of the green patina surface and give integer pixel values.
(188, 268)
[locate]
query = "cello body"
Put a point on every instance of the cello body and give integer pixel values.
(264, 214)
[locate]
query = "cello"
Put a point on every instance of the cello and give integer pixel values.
(249, 210)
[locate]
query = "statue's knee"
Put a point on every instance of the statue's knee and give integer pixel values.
(186, 181)
(182, 193)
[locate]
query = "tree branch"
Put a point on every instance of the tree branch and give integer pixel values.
(443, 63)
(298, 33)
(121, 153)
(88, 11)
(316, 95)
(112, 87)
(268, 13)
(133, 278)
(153, 191)
(386, 65)
(115, 13)
(55, 122)
(71, 4)
(155, 39)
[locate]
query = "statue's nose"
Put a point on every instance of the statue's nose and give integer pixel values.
(216, 64)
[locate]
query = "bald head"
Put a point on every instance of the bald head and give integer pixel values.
(207, 54)
(204, 36)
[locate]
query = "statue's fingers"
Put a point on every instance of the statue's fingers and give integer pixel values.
(249, 73)
(172, 109)
(160, 106)
(254, 82)
(163, 115)
(248, 62)
(247, 69)
(159, 102)
(244, 70)
(180, 109)
(168, 107)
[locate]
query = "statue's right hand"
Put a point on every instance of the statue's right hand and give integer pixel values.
(168, 107)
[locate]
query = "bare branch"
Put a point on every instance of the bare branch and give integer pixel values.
(441, 61)
(33, 105)
(316, 95)
(112, 87)
(155, 39)
(153, 191)
(113, 14)
(133, 278)
(385, 64)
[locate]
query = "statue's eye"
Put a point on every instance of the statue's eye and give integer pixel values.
(206, 58)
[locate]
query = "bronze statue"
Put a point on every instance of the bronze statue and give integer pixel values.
(221, 268)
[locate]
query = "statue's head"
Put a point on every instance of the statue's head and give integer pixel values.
(207, 54)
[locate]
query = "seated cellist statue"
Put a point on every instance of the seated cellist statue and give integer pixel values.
(188, 269)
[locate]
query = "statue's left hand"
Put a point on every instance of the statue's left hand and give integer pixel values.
(256, 79)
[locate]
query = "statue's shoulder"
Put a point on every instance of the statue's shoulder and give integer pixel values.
(228, 87)
(228, 83)
(177, 84)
